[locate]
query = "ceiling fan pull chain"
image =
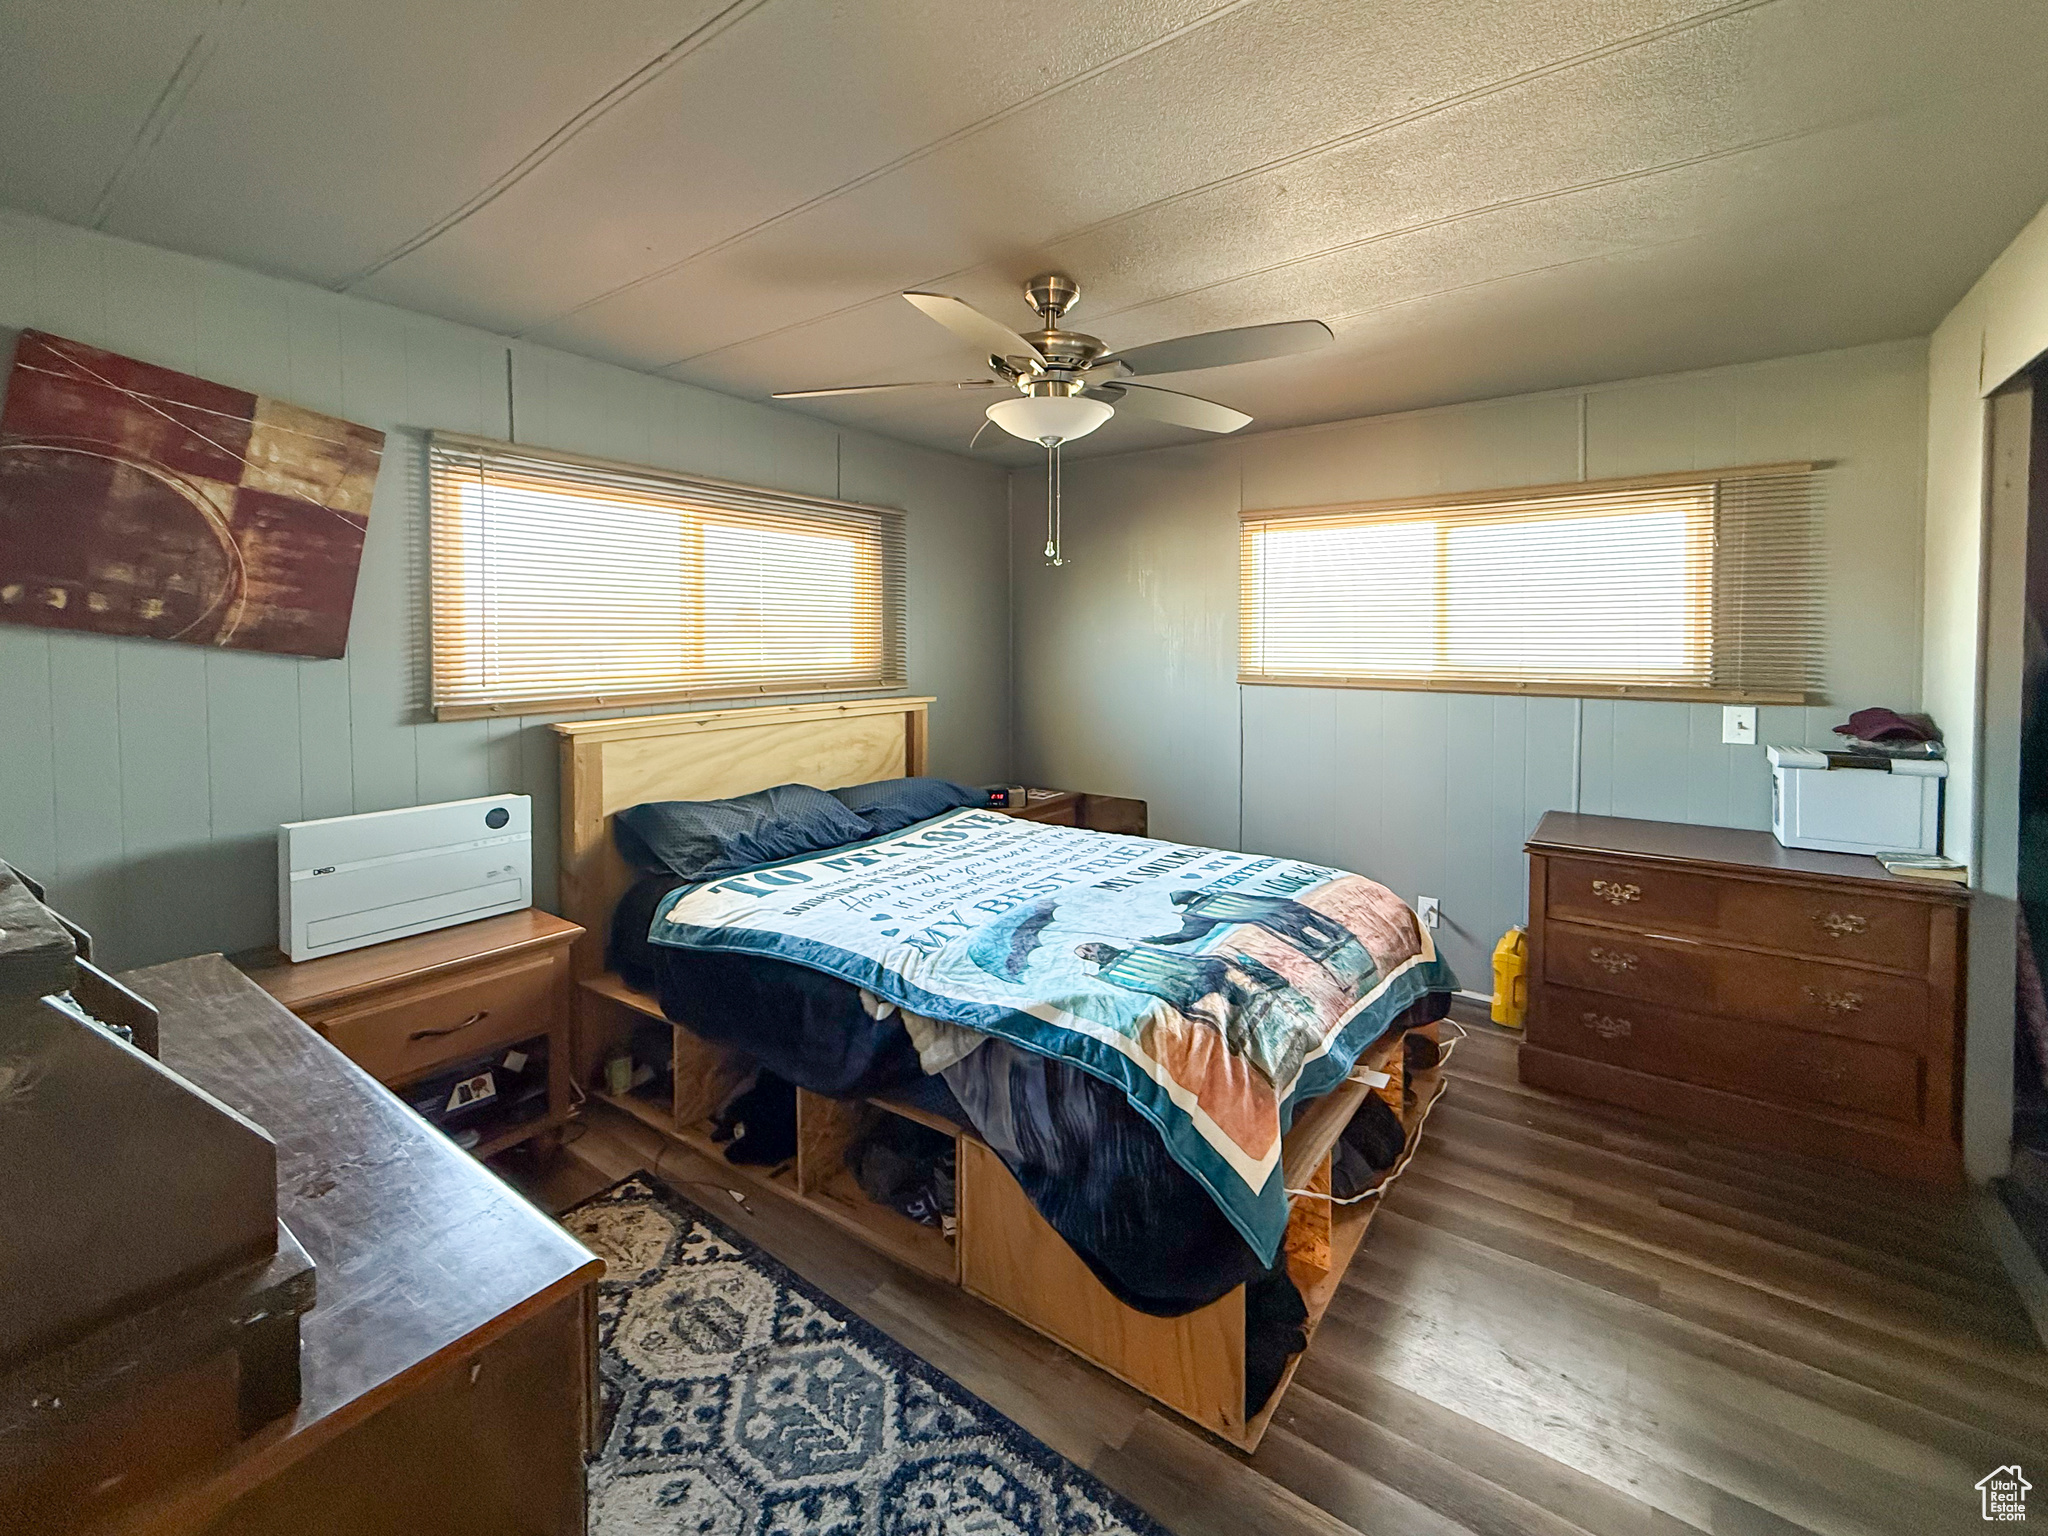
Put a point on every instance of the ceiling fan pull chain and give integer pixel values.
(1053, 508)
(1059, 508)
(1048, 503)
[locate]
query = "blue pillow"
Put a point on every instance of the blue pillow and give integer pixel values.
(703, 839)
(890, 805)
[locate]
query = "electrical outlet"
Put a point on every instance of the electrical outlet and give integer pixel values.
(1430, 910)
(1738, 725)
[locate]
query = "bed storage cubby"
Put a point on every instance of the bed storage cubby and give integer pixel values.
(706, 1076)
(1004, 1252)
(826, 1130)
(1001, 1250)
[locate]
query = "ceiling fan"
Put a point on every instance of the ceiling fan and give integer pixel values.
(1068, 383)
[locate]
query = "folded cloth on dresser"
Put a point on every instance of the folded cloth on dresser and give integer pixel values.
(1217, 991)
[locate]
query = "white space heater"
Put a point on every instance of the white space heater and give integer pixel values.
(349, 881)
(1880, 805)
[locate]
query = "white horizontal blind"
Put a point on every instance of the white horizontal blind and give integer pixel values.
(1693, 586)
(561, 582)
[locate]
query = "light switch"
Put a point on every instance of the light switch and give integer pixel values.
(1738, 725)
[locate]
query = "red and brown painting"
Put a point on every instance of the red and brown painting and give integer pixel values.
(135, 500)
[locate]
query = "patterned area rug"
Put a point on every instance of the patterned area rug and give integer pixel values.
(742, 1401)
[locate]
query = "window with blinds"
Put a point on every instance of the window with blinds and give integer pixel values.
(1699, 586)
(568, 583)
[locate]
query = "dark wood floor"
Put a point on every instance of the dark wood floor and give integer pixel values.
(1567, 1319)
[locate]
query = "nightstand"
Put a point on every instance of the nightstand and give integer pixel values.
(449, 1005)
(1073, 808)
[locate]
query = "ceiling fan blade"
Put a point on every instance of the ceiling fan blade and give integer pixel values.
(1171, 406)
(973, 327)
(869, 389)
(1216, 349)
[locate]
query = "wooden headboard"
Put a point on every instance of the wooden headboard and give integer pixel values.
(608, 765)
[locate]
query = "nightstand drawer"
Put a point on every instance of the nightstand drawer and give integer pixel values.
(1063, 812)
(1786, 1065)
(404, 1033)
(1813, 921)
(1801, 994)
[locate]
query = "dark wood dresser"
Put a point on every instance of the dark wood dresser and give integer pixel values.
(449, 1362)
(1804, 1002)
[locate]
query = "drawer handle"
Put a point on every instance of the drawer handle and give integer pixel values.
(1612, 961)
(1615, 893)
(1839, 925)
(1826, 1071)
(453, 1029)
(1833, 1001)
(1606, 1025)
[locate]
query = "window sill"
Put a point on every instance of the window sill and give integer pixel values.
(1566, 690)
(512, 709)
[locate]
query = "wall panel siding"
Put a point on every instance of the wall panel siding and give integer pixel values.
(1126, 658)
(85, 779)
(28, 783)
(256, 780)
(1470, 848)
(144, 781)
(326, 722)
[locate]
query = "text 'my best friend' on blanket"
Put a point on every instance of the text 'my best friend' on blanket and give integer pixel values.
(1217, 990)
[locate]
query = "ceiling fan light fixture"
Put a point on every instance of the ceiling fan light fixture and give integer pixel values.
(1048, 419)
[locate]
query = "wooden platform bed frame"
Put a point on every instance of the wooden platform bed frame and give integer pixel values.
(1003, 1251)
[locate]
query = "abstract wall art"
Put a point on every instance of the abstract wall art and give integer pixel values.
(135, 500)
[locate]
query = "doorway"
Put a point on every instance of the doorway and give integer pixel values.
(2025, 1190)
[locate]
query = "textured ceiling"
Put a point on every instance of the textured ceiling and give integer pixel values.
(1481, 198)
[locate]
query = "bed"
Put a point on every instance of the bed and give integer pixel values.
(1003, 1249)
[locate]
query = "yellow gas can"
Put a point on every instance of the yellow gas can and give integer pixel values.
(1511, 979)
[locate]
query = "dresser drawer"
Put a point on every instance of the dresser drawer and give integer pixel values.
(405, 1033)
(1803, 994)
(1817, 921)
(1789, 1066)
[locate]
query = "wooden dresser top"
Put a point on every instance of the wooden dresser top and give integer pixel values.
(422, 1253)
(1730, 848)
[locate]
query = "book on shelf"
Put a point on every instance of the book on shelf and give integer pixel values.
(1925, 866)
